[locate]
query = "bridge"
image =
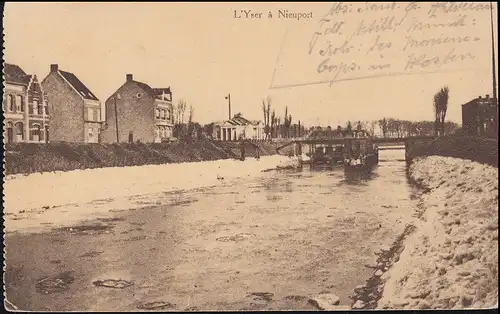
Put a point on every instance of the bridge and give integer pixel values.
(383, 143)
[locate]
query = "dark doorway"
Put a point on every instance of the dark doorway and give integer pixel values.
(131, 137)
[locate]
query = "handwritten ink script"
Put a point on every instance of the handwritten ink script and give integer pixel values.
(362, 40)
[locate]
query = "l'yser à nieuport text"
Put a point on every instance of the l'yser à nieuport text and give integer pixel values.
(280, 14)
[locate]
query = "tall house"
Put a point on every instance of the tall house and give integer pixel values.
(480, 117)
(137, 112)
(75, 110)
(26, 113)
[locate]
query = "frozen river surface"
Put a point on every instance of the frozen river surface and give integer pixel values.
(265, 241)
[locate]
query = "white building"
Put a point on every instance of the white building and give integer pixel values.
(239, 128)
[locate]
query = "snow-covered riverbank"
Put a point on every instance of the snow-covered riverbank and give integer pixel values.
(61, 198)
(451, 261)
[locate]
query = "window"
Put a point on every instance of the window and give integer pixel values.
(96, 115)
(167, 114)
(19, 132)
(36, 133)
(157, 132)
(40, 108)
(90, 114)
(46, 108)
(162, 114)
(19, 103)
(162, 132)
(35, 107)
(157, 113)
(12, 103)
(91, 133)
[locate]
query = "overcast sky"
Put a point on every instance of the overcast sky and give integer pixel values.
(202, 52)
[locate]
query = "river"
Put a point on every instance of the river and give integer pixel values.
(263, 242)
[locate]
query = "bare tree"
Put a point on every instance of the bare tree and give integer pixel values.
(190, 126)
(287, 122)
(359, 126)
(440, 109)
(273, 124)
(383, 126)
(181, 109)
(266, 109)
(348, 126)
(191, 114)
(372, 125)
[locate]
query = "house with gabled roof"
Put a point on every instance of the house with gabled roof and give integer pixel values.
(238, 128)
(25, 107)
(138, 112)
(75, 110)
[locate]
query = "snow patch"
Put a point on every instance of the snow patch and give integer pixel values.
(451, 261)
(63, 198)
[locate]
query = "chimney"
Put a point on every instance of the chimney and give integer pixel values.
(130, 77)
(54, 68)
(480, 97)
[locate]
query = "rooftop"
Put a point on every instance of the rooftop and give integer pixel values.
(154, 92)
(238, 119)
(481, 101)
(15, 75)
(78, 85)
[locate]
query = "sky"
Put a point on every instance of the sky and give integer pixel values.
(203, 53)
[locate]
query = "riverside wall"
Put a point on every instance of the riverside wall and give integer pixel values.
(26, 158)
(481, 150)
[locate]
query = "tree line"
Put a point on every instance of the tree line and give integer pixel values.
(276, 126)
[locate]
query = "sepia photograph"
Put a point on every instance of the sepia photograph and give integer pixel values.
(250, 156)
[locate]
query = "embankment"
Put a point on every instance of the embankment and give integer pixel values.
(26, 158)
(451, 261)
(482, 150)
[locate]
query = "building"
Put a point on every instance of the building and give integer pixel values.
(26, 114)
(75, 110)
(480, 117)
(238, 128)
(137, 112)
(327, 133)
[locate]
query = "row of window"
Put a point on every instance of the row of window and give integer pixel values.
(16, 131)
(163, 132)
(17, 104)
(162, 114)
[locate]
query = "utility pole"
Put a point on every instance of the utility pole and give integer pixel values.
(495, 100)
(116, 119)
(493, 53)
(228, 97)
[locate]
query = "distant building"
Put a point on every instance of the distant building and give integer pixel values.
(238, 128)
(327, 133)
(75, 110)
(142, 113)
(26, 115)
(480, 117)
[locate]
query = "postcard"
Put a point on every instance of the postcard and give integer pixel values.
(248, 156)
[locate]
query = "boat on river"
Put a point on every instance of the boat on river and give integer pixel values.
(360, 153)
(327, 156)
(352, 149)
